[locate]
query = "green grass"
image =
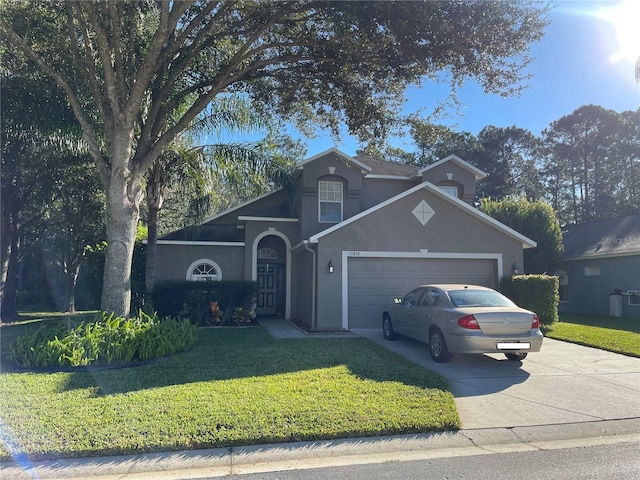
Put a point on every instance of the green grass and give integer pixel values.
(234, 387)
(620, 335)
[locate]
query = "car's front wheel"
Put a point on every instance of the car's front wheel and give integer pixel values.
(387, 328)
(515, 357)
(438, 347)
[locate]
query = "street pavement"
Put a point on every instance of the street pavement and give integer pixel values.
(564, 396)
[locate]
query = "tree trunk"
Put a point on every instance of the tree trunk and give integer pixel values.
(9, 311)
(150, 261)
(72, 282)
(5, 252)
(123, 209)
(10, 232)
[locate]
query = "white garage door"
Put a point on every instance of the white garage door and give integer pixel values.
(375, 282)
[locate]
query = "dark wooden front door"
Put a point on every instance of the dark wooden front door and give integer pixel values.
(270, 289)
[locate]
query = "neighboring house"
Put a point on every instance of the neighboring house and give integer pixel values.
(602, 258)
(356, 233)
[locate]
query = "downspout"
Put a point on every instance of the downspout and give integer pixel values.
(313, 286)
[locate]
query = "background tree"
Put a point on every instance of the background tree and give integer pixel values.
(508, 156)
(75, 225)
(536, 220)
(134, 65)
(40, 143)
(591, 164)
(627, 152)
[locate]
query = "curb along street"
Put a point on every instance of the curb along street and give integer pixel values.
(220, 462)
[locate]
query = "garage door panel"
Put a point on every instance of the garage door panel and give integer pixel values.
(394, 283)
(375, 282)
(374, 267)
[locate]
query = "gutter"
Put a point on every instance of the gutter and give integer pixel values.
(313, 286)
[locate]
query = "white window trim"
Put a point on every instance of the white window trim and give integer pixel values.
(320, 182)
(206, 261)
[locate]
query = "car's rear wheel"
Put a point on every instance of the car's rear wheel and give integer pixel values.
(438, 347)
(387, 328)
(515, 357)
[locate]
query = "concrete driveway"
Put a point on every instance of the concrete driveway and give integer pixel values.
(562, 384)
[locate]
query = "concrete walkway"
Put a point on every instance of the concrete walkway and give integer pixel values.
(564, 396)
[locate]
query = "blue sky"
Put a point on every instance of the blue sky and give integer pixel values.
(587, 56)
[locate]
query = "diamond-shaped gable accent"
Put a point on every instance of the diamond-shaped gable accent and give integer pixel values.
(423, 212)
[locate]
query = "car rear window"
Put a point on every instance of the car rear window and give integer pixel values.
(479, 298)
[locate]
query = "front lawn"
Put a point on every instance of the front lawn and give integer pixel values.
(620, 335)
(234, 387)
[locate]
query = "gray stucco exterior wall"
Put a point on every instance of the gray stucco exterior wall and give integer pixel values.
(177, 258)
(460, 177)
(395, 229)
(302, 288)
(589, 293)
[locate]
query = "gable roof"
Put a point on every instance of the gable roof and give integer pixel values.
(338, 153)
(239, 206)
(479, 174)
(602, 238)
(526, 242)
(385, 168)
(378, 168)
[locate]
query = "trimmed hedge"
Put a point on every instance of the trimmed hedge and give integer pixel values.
(105, 341)
(193, 300)
(538, 293)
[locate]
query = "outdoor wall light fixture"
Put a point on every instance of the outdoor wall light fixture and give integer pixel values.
(330, 267)
(514, 268)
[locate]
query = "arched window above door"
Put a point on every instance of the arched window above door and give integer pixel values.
(267, 253)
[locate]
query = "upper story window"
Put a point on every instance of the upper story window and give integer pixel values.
(329, 201)
(453, 191)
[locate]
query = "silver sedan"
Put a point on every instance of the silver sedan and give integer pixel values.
(463, 319)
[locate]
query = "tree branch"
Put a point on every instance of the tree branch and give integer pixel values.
(87, 129)
(116, 13)
(86, 65)
(104, 45)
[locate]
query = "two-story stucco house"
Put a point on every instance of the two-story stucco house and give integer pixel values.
(357, 233)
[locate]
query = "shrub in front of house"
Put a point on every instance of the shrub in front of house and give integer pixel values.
(106, 340)
(538, 293)
(207, 303)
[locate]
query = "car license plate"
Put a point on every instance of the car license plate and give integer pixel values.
(514, 345)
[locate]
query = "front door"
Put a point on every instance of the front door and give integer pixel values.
(270, 288)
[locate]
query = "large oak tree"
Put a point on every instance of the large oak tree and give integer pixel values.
(128, 68)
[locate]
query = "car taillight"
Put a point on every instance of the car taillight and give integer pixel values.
(470, 322)
(536, 322)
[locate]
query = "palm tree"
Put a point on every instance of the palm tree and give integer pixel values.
(247, 169)
(178, 168)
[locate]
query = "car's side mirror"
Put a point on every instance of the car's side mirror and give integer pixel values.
(397, 300)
